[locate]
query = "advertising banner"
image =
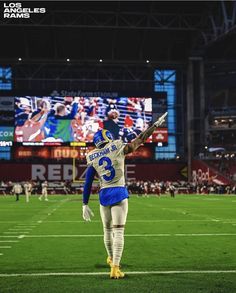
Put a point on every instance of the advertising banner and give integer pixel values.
(160, 135)
(202, 173)
(6, 133)
(61, 172)
(64, 152)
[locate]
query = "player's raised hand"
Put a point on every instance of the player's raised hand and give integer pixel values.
(161, 120)
(87, 213)
(76, 99)
(46, 106)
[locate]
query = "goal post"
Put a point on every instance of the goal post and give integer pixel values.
(77, 176)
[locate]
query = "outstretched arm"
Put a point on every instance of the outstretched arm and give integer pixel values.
(131, 147)
(86, 211)
(90, 174)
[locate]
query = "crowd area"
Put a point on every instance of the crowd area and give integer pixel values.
(225, 165)
(179, 187)
(37, 187)
(137, 187)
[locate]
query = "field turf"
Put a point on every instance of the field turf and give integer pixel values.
(181, 244)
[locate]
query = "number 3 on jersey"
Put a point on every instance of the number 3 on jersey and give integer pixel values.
(107, 163)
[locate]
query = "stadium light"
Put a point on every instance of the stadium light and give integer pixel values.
(68, 59)
(100, 60)
(19, 59)
(147, 61)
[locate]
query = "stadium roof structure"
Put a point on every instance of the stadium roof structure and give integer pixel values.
(97, 41)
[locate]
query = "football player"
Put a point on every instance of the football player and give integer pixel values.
(107, 160)
(17, 190)
(44, 191)
(28, 189)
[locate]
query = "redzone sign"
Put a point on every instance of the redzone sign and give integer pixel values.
(54, 172)
(60, 172)
(66, 172)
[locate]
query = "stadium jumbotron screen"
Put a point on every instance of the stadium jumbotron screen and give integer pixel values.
(76, 119)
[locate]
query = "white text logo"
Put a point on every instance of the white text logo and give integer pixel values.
(16, 10)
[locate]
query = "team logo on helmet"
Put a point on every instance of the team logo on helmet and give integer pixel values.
(102, 137)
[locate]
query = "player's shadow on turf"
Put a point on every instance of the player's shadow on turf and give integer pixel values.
(102, 266)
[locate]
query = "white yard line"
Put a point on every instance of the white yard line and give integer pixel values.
(16, 232)
(186, 212)
(138, 221)
(127, 235)
(211, 199)
(8, 222)
(27, 225)
(128, 273)
(129, 221)
(7, 232)
(207, 234)
(17, 229)
(9, 241)
(23, 228)
(228, 222)
(51, 211)
(8, 236)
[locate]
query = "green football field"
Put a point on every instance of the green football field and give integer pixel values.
(181, 244)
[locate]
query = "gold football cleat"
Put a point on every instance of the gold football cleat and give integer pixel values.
(116, 273)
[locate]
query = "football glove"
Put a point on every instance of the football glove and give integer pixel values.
(87, 213)
(161, 120)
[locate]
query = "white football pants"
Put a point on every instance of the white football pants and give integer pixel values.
(114, 219)
(27, 194)
(114, 215)
(44, 193)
